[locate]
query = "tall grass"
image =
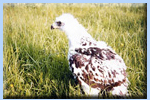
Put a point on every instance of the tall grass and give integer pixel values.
(35, 61)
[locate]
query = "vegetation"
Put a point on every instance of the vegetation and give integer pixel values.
(35, 61)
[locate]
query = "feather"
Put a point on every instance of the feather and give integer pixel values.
(94, 64)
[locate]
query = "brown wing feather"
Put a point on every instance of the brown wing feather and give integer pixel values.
(92, 66)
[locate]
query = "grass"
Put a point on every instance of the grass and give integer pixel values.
(35, 61)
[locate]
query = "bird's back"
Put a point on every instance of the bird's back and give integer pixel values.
(96, 66)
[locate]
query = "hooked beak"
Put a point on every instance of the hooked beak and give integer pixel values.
(52, 27)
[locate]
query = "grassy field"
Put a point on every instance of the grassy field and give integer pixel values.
(35, 61)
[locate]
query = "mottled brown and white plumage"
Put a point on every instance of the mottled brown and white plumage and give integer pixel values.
(94, 64)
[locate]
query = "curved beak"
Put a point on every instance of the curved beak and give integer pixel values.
(52, 27)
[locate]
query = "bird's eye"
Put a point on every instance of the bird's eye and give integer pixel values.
(58, 23)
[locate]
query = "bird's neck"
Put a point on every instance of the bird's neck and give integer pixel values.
(76, 34)
(78, 39)
(74, 40)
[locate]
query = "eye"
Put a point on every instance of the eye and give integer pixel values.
(59, 23)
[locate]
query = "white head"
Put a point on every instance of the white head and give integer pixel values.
(65, 22)
(74, 31)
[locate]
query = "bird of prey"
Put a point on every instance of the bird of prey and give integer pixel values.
(93, 63)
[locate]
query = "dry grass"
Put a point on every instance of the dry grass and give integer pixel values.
(35, 58)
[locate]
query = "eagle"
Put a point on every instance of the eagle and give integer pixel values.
(94, 64)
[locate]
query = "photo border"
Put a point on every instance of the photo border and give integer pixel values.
(75, 1)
